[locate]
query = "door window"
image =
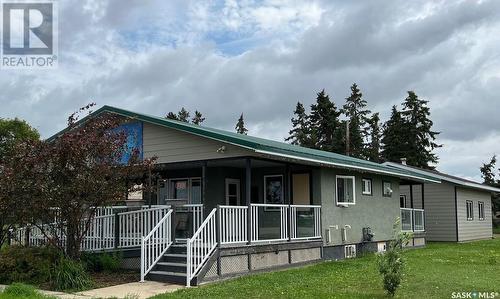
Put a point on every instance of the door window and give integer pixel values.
(232, 192)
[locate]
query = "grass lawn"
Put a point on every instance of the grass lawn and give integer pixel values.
(432, 272)
(18, 290)
(496, 230)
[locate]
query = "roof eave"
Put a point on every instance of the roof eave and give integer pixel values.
(347, 166)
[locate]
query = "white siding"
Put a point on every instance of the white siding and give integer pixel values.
(475, 229)
(440, 216)
(171, 145)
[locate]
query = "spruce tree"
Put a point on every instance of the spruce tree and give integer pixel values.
(183, 115)
(172, 116)
(299, 134)
(372, 148)
(240, 126)
(197, 118)
(488, 171)
(418, 132)
(355, 111)
(324, 120)
(393, 141)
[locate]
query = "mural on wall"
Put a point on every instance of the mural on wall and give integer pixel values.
(133, 132)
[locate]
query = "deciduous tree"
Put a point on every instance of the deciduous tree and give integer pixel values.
(57, 184)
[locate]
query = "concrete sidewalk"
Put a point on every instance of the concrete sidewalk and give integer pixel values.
(139, 290)
(129, 290)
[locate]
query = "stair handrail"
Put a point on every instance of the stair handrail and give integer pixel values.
(155, 244)
(201, 245)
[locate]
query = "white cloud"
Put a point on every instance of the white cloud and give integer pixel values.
(260, 58)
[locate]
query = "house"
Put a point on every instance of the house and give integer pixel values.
(456, 210)
(228, 204)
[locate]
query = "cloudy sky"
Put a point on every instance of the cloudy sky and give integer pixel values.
(261, 57)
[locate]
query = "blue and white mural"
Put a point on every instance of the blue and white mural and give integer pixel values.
(133, 132)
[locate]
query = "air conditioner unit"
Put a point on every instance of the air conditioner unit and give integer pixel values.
(350, 251)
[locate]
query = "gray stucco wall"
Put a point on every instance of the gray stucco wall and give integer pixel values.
(440, 216)
(473, 229)
(375, 211)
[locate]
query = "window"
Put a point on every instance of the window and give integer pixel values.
(387, 189)
(470, 210)
(181, 189)
(196, 191)
(480, 207)
(273, 192)
(367, 186)
(345, 190)
(402, 201)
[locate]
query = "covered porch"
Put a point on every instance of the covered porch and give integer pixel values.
(257, 200)
(411, 202)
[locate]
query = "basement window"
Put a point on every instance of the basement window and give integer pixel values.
(480, 207)
(470, 210)
(345, 190)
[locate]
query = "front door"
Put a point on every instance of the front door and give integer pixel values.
(232, 192)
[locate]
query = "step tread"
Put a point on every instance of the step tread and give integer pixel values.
(171, 264)
(175, 254)
(165, 273)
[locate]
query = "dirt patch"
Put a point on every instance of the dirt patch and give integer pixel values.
(103, 279)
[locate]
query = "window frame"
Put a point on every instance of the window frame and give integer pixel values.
(471, 204)
(403, 197)
(363, 186)
(353, 178)
(282, 188)
(170, 189)
(480, 209)
(383, 189)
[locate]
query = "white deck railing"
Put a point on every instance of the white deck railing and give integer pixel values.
(412, 220)
(201, 245)
(269, 222)
(305, 222)
(233, 224)
(100, 234)
(155, 244)
(102, 230)
(136, 224)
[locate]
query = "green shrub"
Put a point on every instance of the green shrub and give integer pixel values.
(70, 275)
(27, 265)
(391, 263)
(99, 262)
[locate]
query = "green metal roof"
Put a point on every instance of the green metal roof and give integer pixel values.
(267, 147)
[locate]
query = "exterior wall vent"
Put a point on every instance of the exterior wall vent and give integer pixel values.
(381, 247)
(350, 251)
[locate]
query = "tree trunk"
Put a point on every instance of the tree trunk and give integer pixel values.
(73, 239)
